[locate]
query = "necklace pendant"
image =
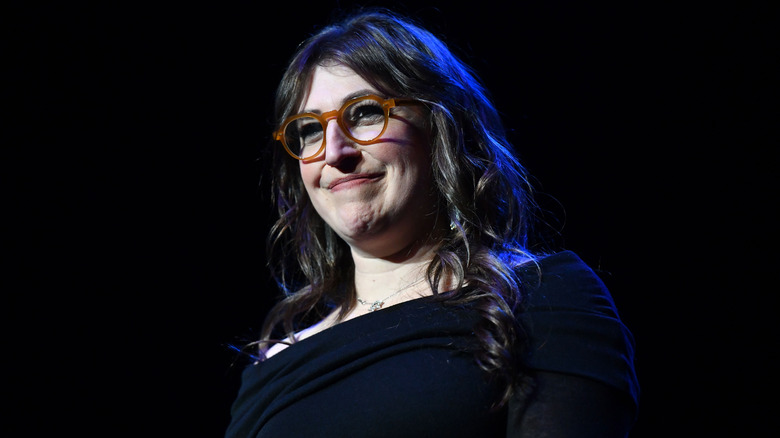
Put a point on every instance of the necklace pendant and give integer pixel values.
(376, 306)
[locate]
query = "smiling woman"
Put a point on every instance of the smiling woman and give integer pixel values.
(414, 304)
(370, 195)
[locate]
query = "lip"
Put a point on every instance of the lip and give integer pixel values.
(352, 180)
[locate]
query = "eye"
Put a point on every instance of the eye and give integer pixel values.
(303, 133)
(310, 130)
(364, 113)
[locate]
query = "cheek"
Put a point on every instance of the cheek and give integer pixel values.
(418, 161)
(309, 175)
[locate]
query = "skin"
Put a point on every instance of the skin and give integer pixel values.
(378, 198)
(375, 197)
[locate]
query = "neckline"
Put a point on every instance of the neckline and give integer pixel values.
(347, 325)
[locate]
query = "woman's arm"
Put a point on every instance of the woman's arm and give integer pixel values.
(567, 406)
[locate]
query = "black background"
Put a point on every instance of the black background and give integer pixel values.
(135, 220)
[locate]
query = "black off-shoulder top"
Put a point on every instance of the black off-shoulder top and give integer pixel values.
(406, 371)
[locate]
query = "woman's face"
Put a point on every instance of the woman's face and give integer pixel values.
(377, 197)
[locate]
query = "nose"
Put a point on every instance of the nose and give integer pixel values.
(338, 146)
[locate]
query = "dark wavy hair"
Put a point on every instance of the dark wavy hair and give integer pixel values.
(482, 188)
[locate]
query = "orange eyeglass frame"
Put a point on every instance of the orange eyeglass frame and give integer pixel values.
(324, 118)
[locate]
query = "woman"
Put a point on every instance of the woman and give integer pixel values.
(414, 305)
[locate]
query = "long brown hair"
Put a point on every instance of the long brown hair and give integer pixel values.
(482, 189)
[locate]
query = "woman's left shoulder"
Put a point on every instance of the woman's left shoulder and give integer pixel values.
(563, 279)
(572, 324)
(563, 262)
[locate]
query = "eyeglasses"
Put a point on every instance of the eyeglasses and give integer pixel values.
(363, 120)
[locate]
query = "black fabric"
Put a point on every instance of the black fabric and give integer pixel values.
(405, 371)
(569, 406)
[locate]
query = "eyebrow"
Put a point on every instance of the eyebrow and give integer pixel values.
(348, 97)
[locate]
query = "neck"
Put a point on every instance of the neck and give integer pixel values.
(376, 278)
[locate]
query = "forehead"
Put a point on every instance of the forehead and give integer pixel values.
(330, 86)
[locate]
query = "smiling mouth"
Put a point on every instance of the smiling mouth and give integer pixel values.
(352, 181)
